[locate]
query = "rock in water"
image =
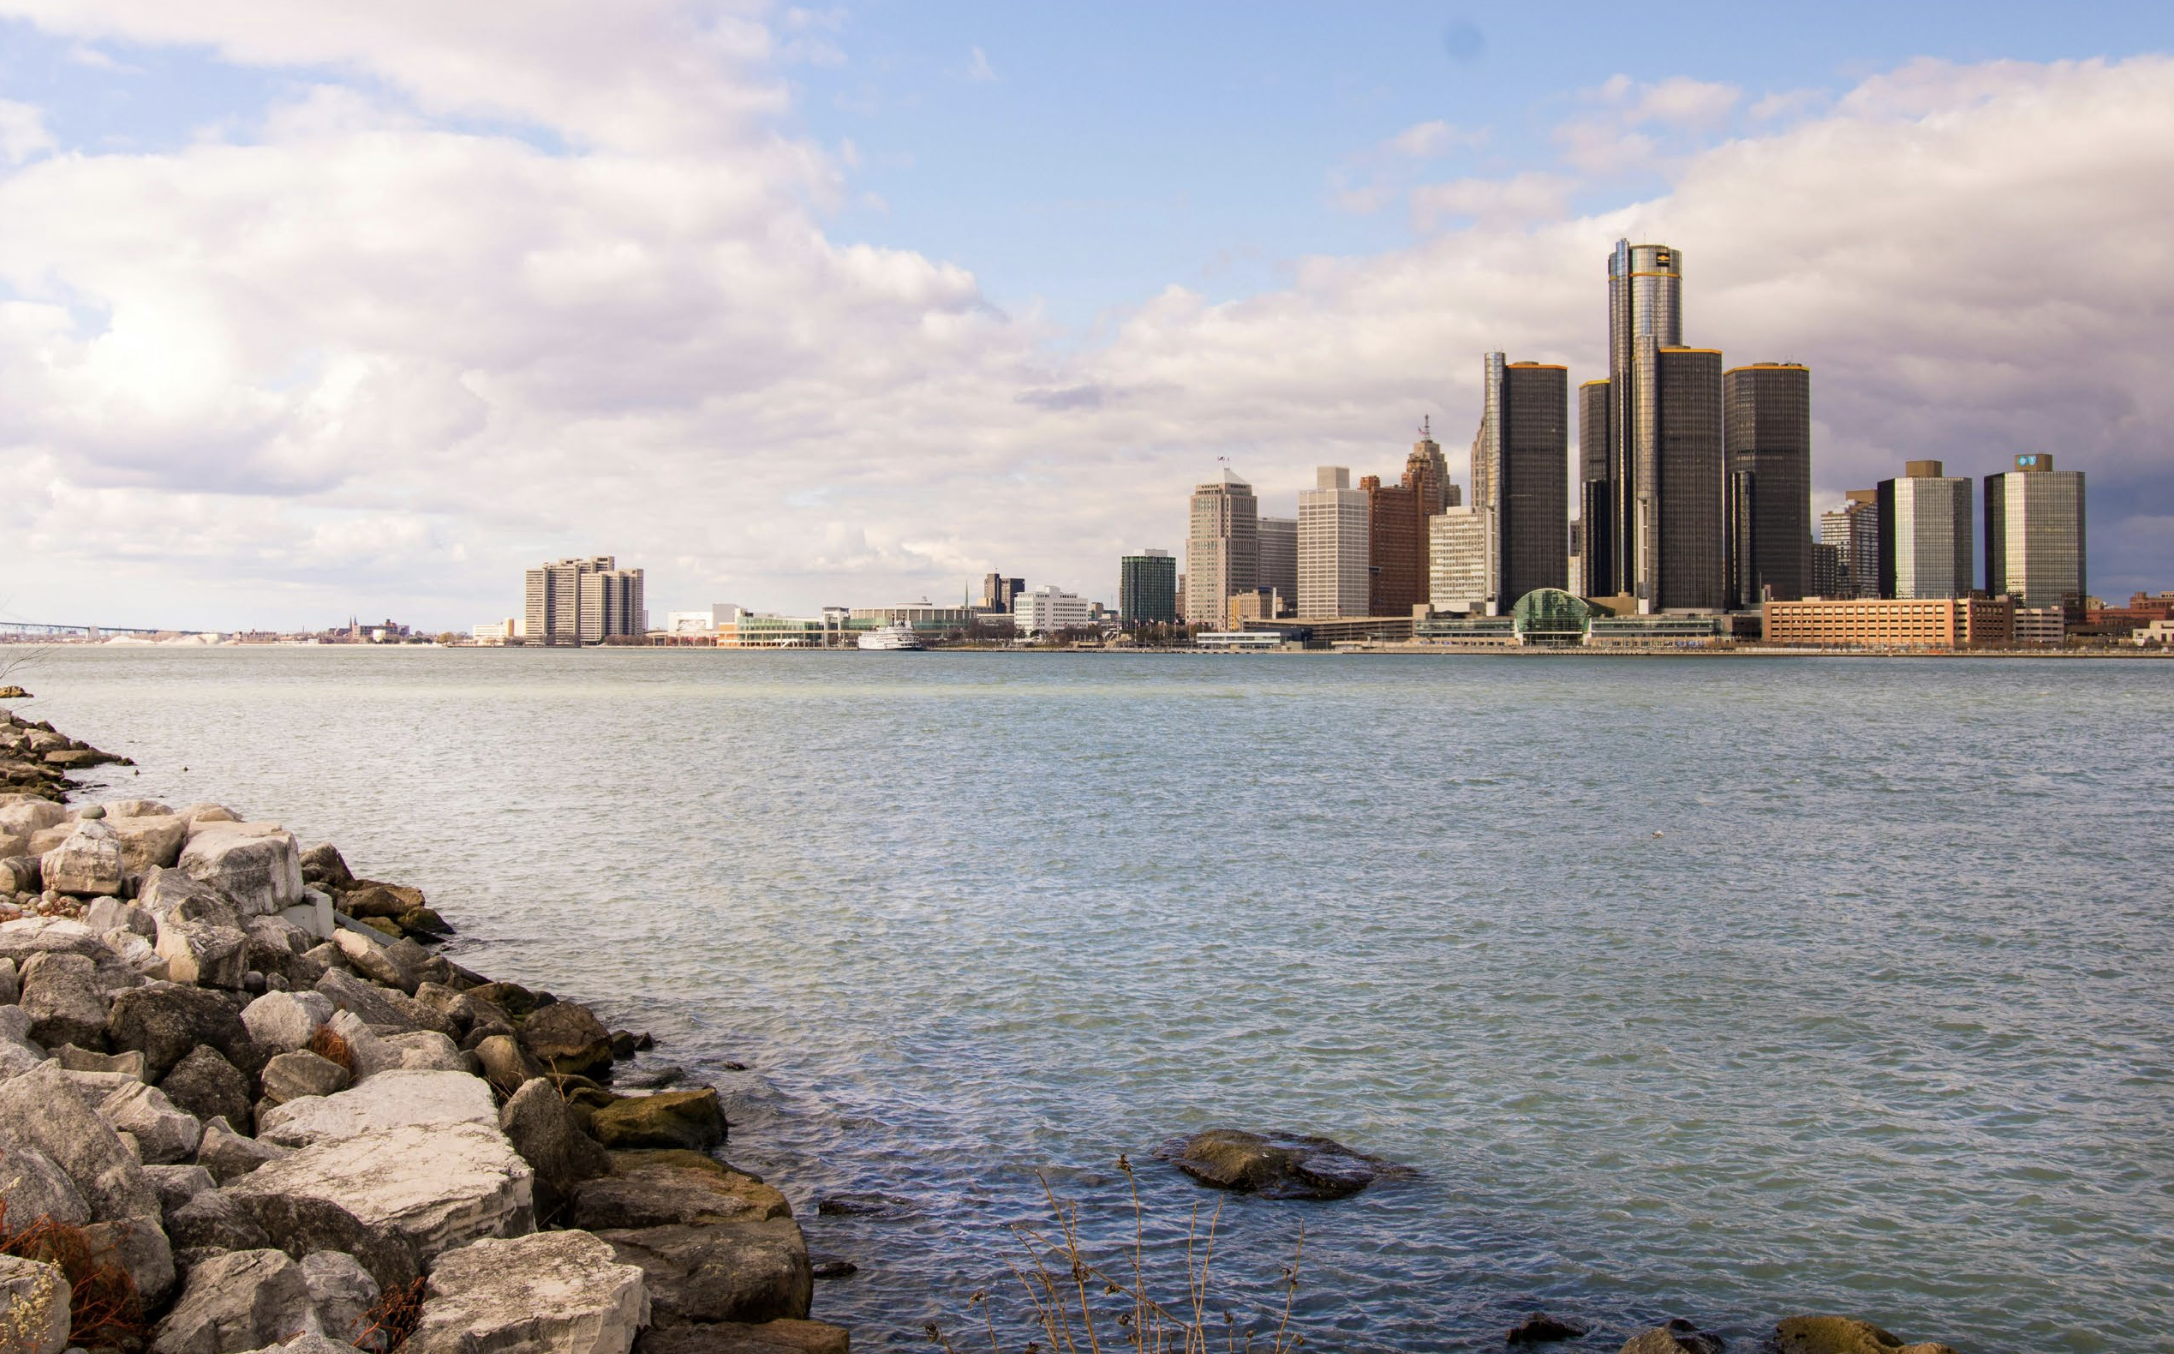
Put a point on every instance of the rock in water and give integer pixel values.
(568, 1039)
(731, 1271)
(1677, 1337)
(1843, 1335)
(242, 1301)
(656, 1189)
(731, 1337)
(1275, 1166)
(1540, 1329)
(542, 1129)
(557, 1291)
(435, 1188)
(686, 1119)
(33, 1307)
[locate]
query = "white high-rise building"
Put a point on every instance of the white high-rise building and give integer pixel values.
(1048, 609)
(1333, 559)
(1925, 533)
(1222, 550)
(1457, 558)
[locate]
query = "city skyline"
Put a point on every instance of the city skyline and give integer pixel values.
(299, 325)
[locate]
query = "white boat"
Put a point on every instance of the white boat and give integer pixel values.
(895, 636)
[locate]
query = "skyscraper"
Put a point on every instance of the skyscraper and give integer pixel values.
(998, 593)
(1661, 494)
(1334, 559)
(1597, 510)
(1767, 432)
(1520, 476)
(1854, 531)
(1458, 573)
(1925, 546)
(1279, 558)
(1147, 589)
(568, 602)
(612, 605)
(1222, 552)
(2034, 536)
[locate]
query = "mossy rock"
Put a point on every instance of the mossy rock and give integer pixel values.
(693, 1120)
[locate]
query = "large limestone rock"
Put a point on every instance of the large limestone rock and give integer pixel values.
(656, 1189)
(40, 1111)
(565, 1037)
(209, 1087)
(201, 953)
(204, 816)
(389, 1100)
(232, 1303)
(120, 809)
(543, 1130)
(166, 1021)
(732, 1337)
(164, 1134)
(229, 1156)
(1274, 1165)
(433, 1187)
(140, 1247)
(380, 1005)
(286, 1020)
(210, 1223)
(343, 1293)
(87, 864)
(21, 817)
(165, 893)
(561, 1292)
(300, 1074)
(34, 1312)
(731, 1271)
(31, 1186)
(258, 866)
(367, 1055)
(302, 1225)
(369, 959)
(60, 994)
(148, 841)
(74, 1059)
(18, 1054)
(428, 1051)
(685, 1119)
(1843, 1335)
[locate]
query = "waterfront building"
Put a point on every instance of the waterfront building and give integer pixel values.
(2034, 536)
(1147, 589)
(1767, 436)
(1222, 551)
(496, 632)
(2041, 627)
(583, 600)
(921, 615)
(1892, 622)
(1049, 609)
(1334, 553)
(998, 592)
(1278, 571)
(1457, 557)
(1520, 477)
(1925, 530)
(1854, 531)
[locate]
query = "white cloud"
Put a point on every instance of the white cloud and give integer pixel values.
(22, 132)
(1524, 198)
(978, 70)
(1426, 140)
(1636, 122)
(351, 358)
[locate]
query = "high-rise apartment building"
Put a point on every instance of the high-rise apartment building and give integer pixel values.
(1520, 476)
(1334, 552)
(1147, 589)
(1660, 416)
(1767, 436)
(1278, 571)
(583, 601)
(2034, 536)
(1827, 576)
(1925, 531)
(1457, 555)
(1854, 531)
(1222, 552)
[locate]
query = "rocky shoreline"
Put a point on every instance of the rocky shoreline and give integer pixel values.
(244, 1105)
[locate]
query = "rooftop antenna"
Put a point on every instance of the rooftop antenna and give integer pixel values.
(1426, 427)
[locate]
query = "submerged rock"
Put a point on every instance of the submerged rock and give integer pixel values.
(1540, 1329)
(731, 1337)
(731, 1271)
(1677, 1337)
(1843, 1335)
(1275, 1166)
(558, 1291)
(864, 1205)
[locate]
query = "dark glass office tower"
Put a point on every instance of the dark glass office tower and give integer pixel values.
(1767, 436)
(1645, 315)
(1684, 567)
(1596, 492)
(1533, 499)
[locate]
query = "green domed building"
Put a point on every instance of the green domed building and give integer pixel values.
(1551, 618)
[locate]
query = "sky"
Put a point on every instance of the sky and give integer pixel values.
(318, 309)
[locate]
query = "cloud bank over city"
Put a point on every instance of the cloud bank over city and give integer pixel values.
(472, 287)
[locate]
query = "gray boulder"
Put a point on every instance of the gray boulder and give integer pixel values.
(11, 989)
(34, 1307)
(62, 998)
(565, 1037)
(506, 1065)
(176, 1185)
(292, 1076)
(31, 1186)
(73, 1059)
(323, 866)
(118, 809)
(168, 1021)
(303, 1225)
(732, 1271)
(343, 1293)
(164, 1134)
(202, 816)
(395, 1099)
(139, 1246)
(367, 955)
(21, 817)
(286, 1020)
(557, 1291)
(229, 1156)
(212, 1223)
(238, 1302)
(149, 841)
(657, 1189)
(435, 1187)
(204, 954)
(209, 1087)
(428, 1051)
(380, 1005)
(543, 1130)
(1275, 1165)
(258, 866)
(87, 863)
(170, 893)
(111, 914)
(40, 1111)
(17, 1053)
(20, 873)
(367, 1055)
